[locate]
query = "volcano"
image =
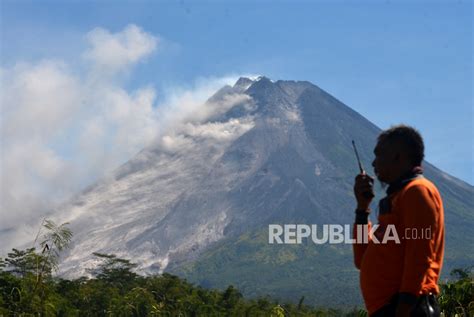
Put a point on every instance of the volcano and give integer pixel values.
(199, 200)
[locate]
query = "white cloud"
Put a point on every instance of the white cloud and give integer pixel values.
(116, 51)
(39, 103)
(38, 99)
(188, 104)
(218, 130)
(191, 134)
(63, 127)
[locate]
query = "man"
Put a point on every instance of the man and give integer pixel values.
(400, 278)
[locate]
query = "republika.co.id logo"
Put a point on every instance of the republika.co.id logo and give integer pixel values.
(338, 234)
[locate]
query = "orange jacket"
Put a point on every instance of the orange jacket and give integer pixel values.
(412, 266)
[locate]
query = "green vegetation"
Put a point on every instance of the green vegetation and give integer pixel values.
(28, 288)
(457, 297)
(115, 290)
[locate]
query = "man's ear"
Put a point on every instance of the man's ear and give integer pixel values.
(402, 158)
(399, 153)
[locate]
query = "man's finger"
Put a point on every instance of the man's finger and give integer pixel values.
(364, 181)
(364, 188)
(362, 176)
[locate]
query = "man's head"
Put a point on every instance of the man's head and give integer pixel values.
(398, 150)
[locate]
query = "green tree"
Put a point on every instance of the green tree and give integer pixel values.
(2, 264)
(230, 298)
(457, 297)
(115, 271)
(21, 262)
(54, 239)
(26, 283)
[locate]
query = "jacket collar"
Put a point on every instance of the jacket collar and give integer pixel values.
(415, 173)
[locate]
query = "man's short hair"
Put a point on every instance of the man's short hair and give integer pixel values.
(409, 138)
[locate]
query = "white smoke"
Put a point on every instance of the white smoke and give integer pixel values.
(62, 128)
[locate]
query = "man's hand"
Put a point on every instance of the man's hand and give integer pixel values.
(364, 184)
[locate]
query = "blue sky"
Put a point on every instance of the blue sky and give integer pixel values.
(392, 61)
